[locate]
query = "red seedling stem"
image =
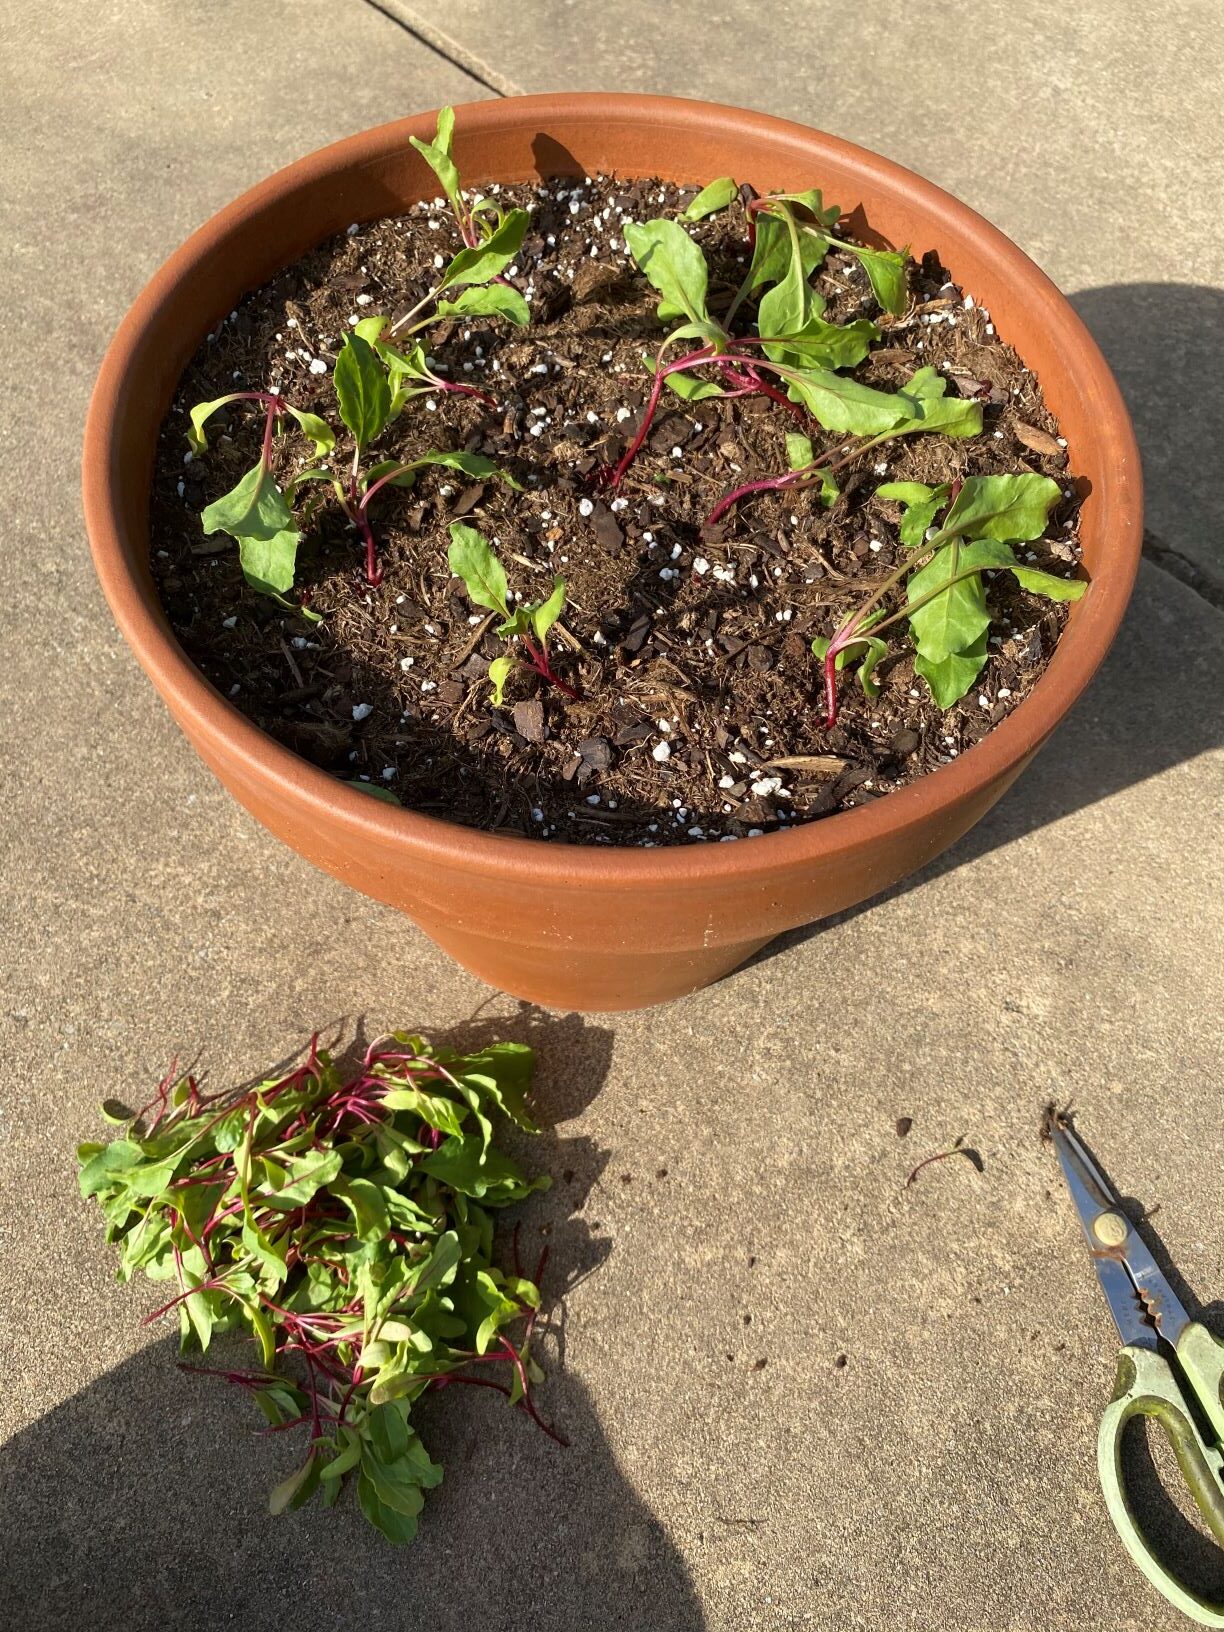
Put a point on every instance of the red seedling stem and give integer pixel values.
(740, 370)
(764, 484)
(616, 475)
(513, 1354)
(537, 658)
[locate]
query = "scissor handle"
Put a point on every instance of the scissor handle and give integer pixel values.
(1201, 1357)
(1146, 1387)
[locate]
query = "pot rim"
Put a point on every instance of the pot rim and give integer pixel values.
(315, 793)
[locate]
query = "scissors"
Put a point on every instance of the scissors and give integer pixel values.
(1170, 1368)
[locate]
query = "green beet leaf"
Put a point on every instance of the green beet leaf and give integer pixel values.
(850, 409)
(799, 451)
(500, 670)
(951, 676)
(295, 1490)
(398, 1527)
(908, 492)
(363, 391)
(547, 612)
(301, 1176)
(490, 259)
(788, 307)
(950, 416)
(483, 575)
(821, 345)
(950, 628)
(1047, 584)
(370, 329)
(771, 254)
(886, 272)
(394, 471)
(437, 1110)
(812, 200)
(502, 1074)
(269, 564)
(691, 387)
(922, 504)
(492, 300)
(364, 1200)
(481, 1174)
(955, 620)
(673, 265)
(791, 306)
(202, 412)
(256, 515)
(476, 465)
(345, 1460)
(445, 133)
(317, 429)
(437, 156)
(712, 198)
(1011, 509)
(440, 1266)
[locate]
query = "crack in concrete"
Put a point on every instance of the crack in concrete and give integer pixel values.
(404, 17)
(1186, 571)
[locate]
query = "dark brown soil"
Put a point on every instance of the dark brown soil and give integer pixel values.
(697, 640)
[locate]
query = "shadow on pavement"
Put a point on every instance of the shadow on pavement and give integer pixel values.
(1164, 342)
(141, 1503)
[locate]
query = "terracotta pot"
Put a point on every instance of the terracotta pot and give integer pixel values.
(560, 924)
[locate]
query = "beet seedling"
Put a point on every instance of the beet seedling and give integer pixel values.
(799, 351)
(775, 221)
(491, 238)
(945, 597)
(484, 578)
(372, 381)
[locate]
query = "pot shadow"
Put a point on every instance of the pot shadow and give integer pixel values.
(141, 1502)
(1164, 342)
(1151, 707)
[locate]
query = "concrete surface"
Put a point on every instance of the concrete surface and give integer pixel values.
(944, 1477)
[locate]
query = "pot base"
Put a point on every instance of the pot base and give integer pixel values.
(594, 982)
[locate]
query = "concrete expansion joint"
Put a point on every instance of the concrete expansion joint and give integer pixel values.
(424, 32)
(1204, 584)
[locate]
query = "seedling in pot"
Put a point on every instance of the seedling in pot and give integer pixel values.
(795, 358)
(484, 577)
(923, 407)
(344, 1222)
(491, 238)
(775, 221)
(372, 381)
(945, 596)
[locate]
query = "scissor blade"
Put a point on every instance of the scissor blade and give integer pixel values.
(1092, 1197)
(1158, 1298)
(1124, 1302)
(1134, 1286)
(1089, 1191)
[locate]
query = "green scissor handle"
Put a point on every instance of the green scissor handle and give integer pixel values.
(1201, 1357)
(1147, 1387)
